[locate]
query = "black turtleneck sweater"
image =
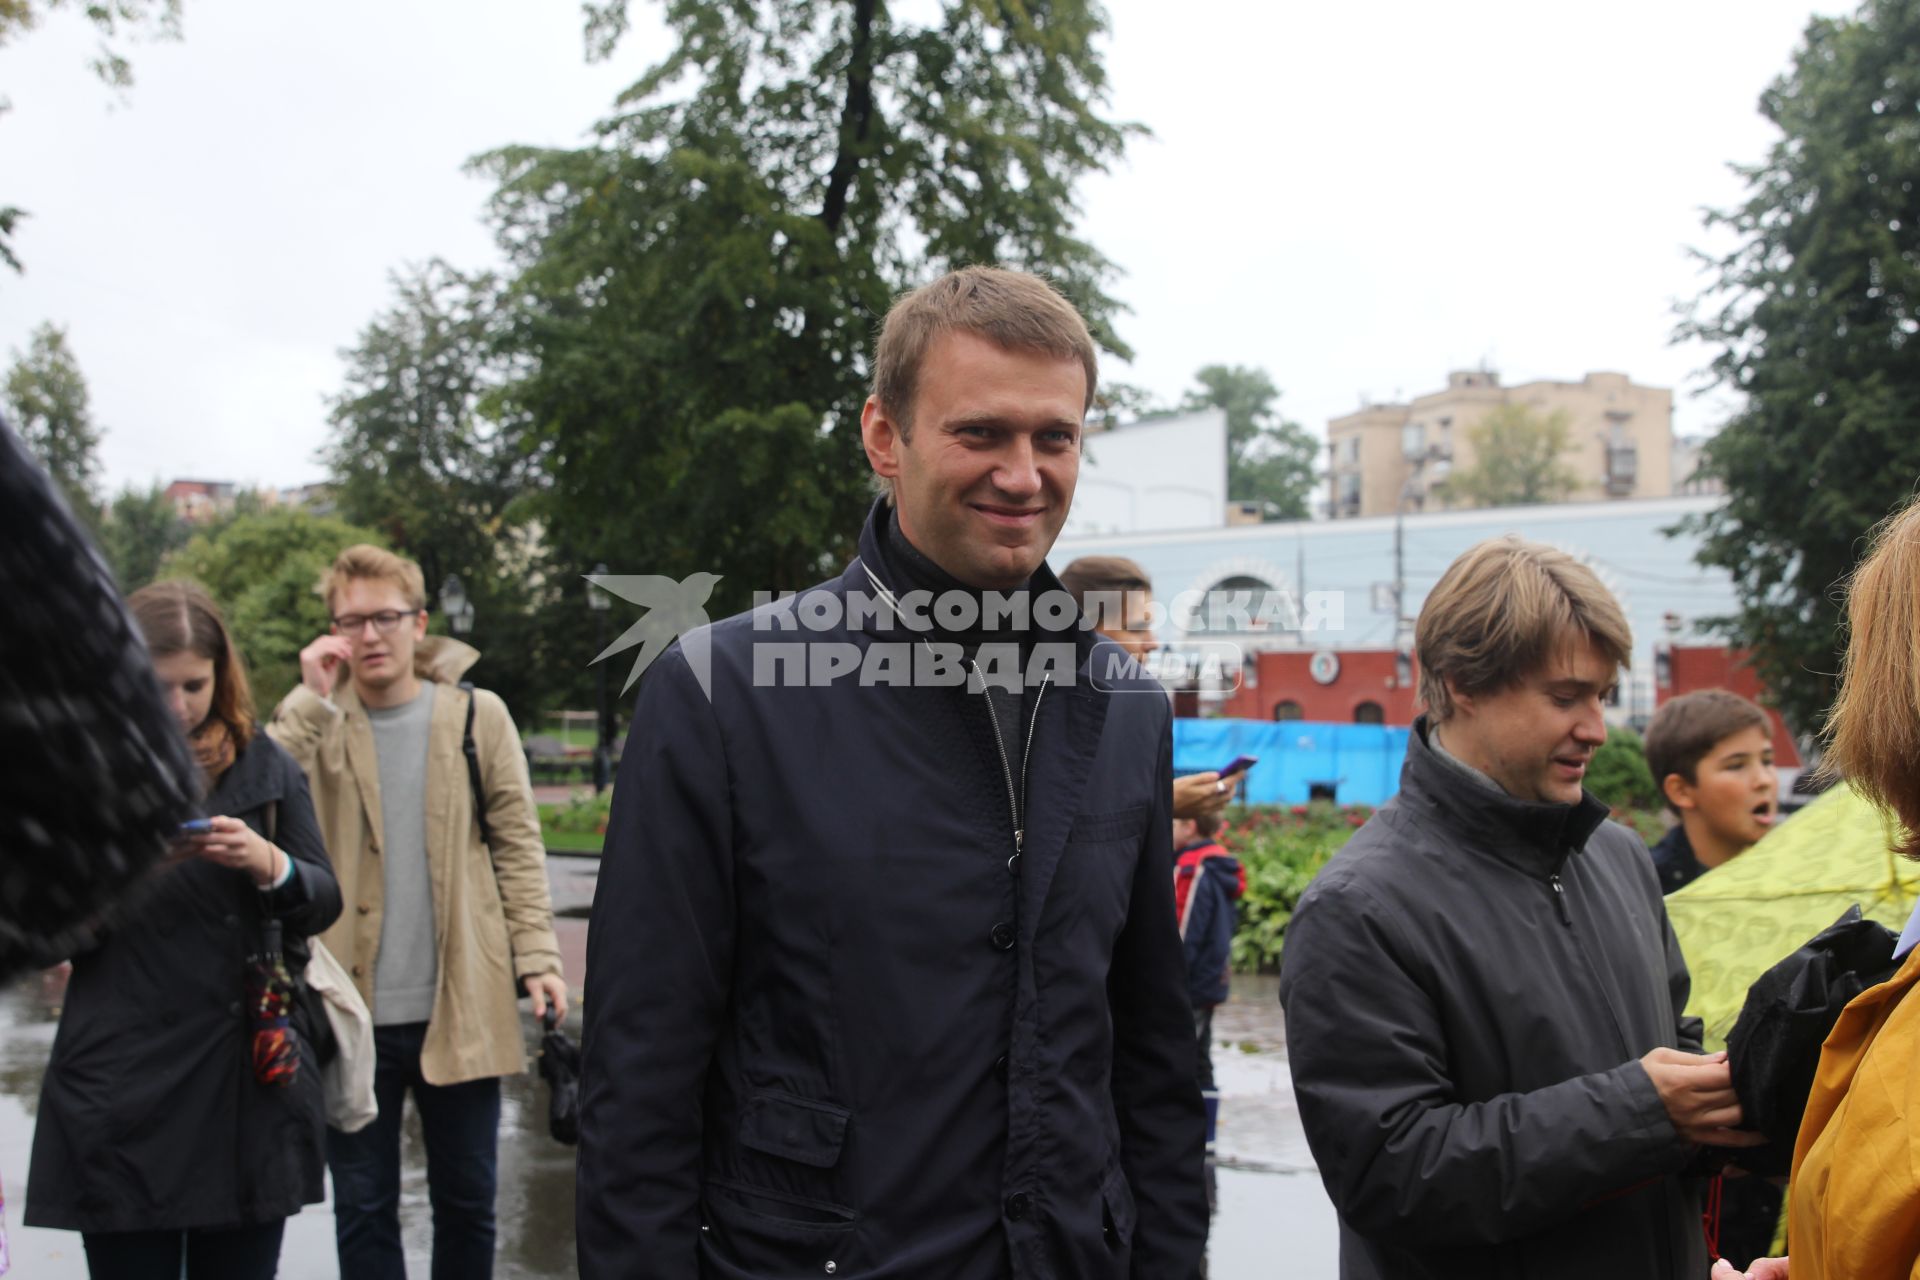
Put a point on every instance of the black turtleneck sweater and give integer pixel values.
(910, 569)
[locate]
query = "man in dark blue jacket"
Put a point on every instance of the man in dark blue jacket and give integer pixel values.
(883, 978)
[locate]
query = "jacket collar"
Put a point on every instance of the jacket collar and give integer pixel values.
(873, 556)
(1532, 836)
(250, 782)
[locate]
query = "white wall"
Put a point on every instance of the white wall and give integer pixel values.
(1151, 477)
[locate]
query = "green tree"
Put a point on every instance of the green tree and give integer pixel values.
(141, 530)
(421, 451)
(1270, 460)
(47, 396)
(1516, 459)
(263, 566)
(1815, 317)
(697, 293)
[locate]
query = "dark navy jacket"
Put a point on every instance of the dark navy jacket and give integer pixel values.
(834, 1026)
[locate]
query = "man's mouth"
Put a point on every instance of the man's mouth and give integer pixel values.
(1010, 517)
(1575, 766)
(1765, 813)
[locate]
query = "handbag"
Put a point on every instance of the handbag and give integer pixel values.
(1774, 1049)
(348, 1076)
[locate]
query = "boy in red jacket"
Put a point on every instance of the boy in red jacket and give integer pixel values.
(1207, 880)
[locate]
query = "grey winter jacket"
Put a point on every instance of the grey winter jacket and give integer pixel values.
(1469, 986)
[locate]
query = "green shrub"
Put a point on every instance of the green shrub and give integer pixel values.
(1282, 850)
(1618, 773)
(585, 814)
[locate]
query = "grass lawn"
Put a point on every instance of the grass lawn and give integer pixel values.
(573, 841)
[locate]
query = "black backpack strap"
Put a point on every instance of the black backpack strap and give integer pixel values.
(472, 753)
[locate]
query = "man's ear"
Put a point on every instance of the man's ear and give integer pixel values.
(882, 438)
(1679, 792)
(1463, 703)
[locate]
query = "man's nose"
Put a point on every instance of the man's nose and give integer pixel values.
(1018, 472)
(1591, 728)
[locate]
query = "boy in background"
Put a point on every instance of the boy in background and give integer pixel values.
(1207, 881)
(1711, 755)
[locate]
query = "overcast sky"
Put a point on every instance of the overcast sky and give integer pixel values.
(1357, 197)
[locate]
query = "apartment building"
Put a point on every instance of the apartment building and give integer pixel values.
(1619, 443)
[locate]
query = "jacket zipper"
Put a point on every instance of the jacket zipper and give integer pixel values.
(1016, 807)
(1560, 900)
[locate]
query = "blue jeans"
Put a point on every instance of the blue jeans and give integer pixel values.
(461, 1123)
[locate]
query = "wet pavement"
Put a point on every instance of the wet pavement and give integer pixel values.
(1274, 1219)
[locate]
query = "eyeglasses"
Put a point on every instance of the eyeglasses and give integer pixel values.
(384, 621)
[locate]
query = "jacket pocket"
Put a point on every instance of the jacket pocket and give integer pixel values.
(775, 1234)
(1098, 828)
(1117, 1208)
(798, 1129)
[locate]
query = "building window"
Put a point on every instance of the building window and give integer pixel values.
(1288, 710)
(1349, 504)
(1413, 440)
(1244, 603)
(1369, 713)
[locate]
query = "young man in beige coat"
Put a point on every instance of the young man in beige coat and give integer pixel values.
(441, 927)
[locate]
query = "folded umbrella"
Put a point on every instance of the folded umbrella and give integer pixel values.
(560, 1068)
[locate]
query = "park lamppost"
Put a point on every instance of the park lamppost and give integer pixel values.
(454, 603)
(599, 601)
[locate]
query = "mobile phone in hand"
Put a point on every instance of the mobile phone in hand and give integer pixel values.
(1240, 765)
(197, 827)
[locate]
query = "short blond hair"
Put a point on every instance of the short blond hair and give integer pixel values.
(366, 562)
(1873, 729)
(1500, 611)
(1011, 309)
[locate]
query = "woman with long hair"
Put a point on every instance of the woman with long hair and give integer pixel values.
(1853, 1201)
(182, 1117)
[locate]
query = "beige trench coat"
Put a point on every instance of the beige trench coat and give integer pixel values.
(492, 914)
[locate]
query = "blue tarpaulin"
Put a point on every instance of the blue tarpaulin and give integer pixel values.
(1360, 762)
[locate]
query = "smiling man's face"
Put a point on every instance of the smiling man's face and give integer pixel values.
(1536, 737)
(985, 474)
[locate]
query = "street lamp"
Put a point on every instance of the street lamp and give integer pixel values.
(454, 603)
(600, 602)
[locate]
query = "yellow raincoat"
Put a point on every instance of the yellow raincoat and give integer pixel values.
(1854, 1202)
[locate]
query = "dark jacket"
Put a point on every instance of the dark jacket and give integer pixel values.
(1674, 863)
(835, 1021)
(150, 1116)
(1207, 881)
(1468, 988)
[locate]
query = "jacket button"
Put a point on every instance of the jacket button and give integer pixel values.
(359, 971)
(234, 1008)
(363, 908)
(1003, 936)
(1018, 1204)
(1013, 865)
(1000, 1066)
(233, 922)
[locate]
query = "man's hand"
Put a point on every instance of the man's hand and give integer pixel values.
(1762, 1269)
(322, 662)
(545, 987)
(1697, 1091)
(1202, 795)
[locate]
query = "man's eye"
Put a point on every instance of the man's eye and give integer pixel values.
(194, 686)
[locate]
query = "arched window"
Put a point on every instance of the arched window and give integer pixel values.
(1288, 710)
(1243, 603)
(1369, 713)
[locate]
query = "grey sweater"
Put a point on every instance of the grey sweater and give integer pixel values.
(407, 966)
